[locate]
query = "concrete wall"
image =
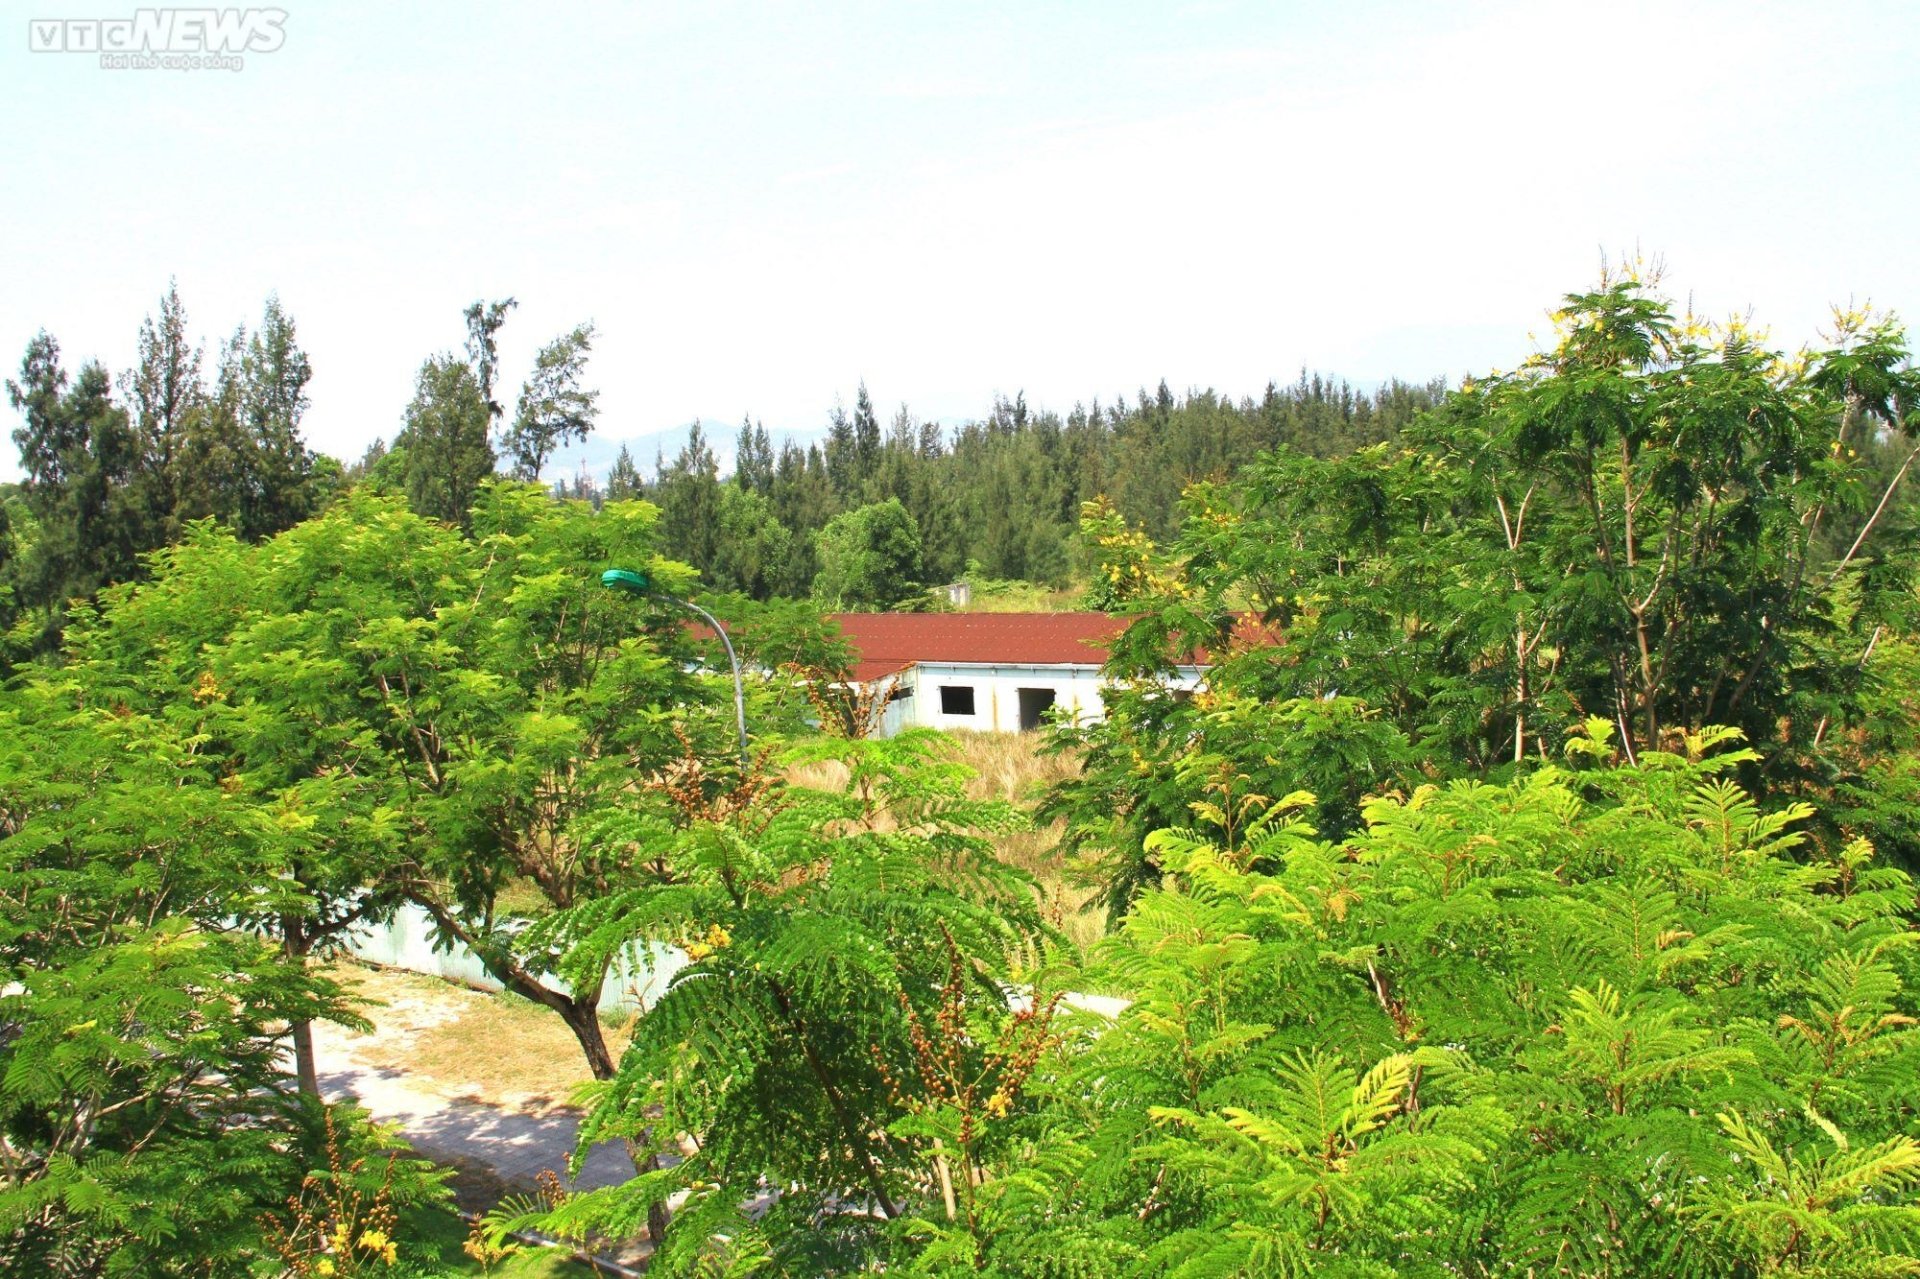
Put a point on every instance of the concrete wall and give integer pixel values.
(635, 982)
(996, 693)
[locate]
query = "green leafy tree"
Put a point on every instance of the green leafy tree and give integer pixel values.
(446, 453)
(798, 666)
(753, 547)
(1489, 1033)
(1157, 759)
(1628, 527)
(845, 945)
(423, 715)
(238, 645)
(147, 1119)
(1123, 568)
(869, 558)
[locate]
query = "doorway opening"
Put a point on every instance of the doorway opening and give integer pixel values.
(1034, 704)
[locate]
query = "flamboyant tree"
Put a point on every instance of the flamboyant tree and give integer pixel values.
(147, 1117)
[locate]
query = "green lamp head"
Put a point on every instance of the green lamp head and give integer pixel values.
(625, 579)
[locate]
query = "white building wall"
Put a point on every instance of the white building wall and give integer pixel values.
(996, 694)
(637, 978)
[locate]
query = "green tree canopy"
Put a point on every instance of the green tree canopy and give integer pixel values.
(1608, 1019)
(1659, 522)
(447, 454)
(869, 558)
(148, 1120)
(556, 408)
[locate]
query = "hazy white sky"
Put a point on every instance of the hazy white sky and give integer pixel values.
(761, 205)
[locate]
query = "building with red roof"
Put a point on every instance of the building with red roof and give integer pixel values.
(995, 672)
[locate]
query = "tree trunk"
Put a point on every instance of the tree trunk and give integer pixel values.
(1520, 692)
(294, 939)
(581, 1013)
(583, 1019)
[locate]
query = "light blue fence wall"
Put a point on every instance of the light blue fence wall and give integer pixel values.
(638, 979)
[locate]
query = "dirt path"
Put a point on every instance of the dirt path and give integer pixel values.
(476, 1082)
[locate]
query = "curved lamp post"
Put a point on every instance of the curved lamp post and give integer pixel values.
(623, 579)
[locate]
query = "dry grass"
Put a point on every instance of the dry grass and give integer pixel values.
(466, 1043)
(1024, 597)
(1011, 767)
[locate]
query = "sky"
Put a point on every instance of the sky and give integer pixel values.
(760, 206)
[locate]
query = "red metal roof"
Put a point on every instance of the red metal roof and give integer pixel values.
(889, 642)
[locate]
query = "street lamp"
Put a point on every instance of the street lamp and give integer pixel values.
(624, 579)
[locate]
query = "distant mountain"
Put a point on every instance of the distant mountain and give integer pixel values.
(598, 450)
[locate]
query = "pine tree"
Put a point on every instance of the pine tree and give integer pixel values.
(83, 467)
(866, 439)
(51, 452)
(688, 494)
(623, 481)
(555, 407)
(753, 458)
(445, 440)
(484, 321)
(803, 501)
(275, 374)
(166, 395)
(214, 468)
(928, 444)
(842, 455)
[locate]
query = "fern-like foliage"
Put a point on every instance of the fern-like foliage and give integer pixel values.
(839, 940)
(1489, 1034)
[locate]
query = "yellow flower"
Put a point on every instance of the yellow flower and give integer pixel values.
(324, 1266)
(718, 938)
(373, 1240)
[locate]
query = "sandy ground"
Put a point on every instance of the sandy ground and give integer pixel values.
(476, 1082)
